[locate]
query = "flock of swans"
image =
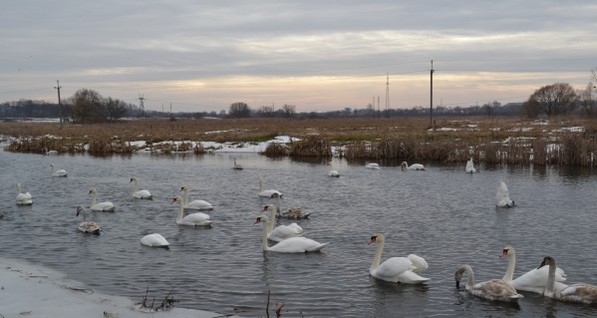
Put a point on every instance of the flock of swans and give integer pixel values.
(547, 279)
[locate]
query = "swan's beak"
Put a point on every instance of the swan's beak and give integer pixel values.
(457, 284)
(258, 220)
(542, 264)
(173, 201)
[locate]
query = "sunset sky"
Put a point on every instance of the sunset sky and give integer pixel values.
(318, 55)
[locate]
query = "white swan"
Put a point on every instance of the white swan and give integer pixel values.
(59, 172)
(534, 280)
(280, 232)
(334, 173)
(495, 289)
(268, 193)
(502, 197)
(23, 198)
(87, 227)
(396, 269)
(297, 244)
(580, 293)
(105, 206)
(237, 166)
(140, 194)
(470, 167)
(193, 219)
(155, 240)
(372, 165)
(195, 204)
(415, 166)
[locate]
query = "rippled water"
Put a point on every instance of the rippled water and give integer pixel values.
(442, 214)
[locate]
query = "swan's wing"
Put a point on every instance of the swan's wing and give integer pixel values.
(297, 244)
(535, 280)
(470, 166)
(419, 263)
(142, 194)
(154, 240)
(495, 289)
(581, 292)
(391, 268)
(197, 218)
(199, 205)
(502, 192)
(296, 228)
(23, 196)
(283, 232)
(103, 206)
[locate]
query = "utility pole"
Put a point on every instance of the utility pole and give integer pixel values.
(431, 96)
(387, 94)
(59, 103)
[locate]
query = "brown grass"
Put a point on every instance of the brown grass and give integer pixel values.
(497, 140)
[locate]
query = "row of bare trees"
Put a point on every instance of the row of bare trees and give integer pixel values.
(241, 109)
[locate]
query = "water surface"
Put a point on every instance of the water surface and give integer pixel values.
(441, 214)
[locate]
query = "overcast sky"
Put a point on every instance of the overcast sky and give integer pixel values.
(318, 55)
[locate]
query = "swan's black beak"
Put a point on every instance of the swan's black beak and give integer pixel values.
(542, 264)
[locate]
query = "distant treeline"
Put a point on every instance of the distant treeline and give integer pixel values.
(42, 109)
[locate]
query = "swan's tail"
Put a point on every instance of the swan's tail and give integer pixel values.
(318, 247)
(409, 277)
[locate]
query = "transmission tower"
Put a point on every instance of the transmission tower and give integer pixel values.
(141, 104)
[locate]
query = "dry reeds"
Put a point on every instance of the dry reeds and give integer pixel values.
(312, 146)
(494, 141)
(276, 150)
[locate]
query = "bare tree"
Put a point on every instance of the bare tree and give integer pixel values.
(288, 110)
(585, 99)
(266, 111)
(86, 106)
(115, 108)
(555, 99)
(239, 109)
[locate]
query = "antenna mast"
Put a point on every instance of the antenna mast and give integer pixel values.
(431, 96)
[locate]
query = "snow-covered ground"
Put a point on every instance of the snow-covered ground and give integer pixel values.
(36, 292)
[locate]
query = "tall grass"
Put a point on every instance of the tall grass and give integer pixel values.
(494, 141)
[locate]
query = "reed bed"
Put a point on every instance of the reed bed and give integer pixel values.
(491, 140)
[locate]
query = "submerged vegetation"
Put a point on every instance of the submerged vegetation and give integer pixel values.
(562, 141)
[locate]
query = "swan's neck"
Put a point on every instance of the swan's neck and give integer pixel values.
(264, 236)
(185, 197)
(509, 276)
(260, 184)
(18, 188)
(93, 199)
(471, 277)
(551, 278)
(378, 251)
(272, 220)
(180, 211)
(135, 185)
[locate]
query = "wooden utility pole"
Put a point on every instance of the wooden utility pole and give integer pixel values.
(431, 96)
(59, 103)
